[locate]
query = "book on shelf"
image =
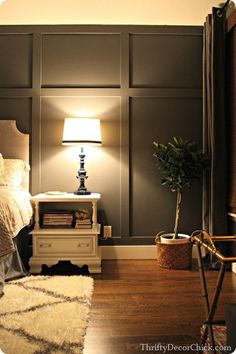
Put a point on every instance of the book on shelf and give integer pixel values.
(57, 222)
(47, 217)
(58, 214)
(61, 217)
(59, 211)
(83, 222)
(58, 219)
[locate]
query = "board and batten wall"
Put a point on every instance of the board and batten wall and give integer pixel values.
(142, 82)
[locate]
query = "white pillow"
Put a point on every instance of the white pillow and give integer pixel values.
(14, 171)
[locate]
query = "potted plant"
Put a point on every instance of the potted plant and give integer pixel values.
(181, 162)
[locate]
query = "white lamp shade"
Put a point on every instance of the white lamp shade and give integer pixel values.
(81, 131)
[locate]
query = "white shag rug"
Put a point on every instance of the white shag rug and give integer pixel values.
(45, 314)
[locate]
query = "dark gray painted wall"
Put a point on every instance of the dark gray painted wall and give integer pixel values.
(143, 82)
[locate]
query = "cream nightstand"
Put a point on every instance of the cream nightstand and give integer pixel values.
(80, 246)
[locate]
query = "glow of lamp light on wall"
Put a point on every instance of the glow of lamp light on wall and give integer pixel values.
(1, 1)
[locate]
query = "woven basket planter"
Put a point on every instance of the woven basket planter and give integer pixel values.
(174, 256)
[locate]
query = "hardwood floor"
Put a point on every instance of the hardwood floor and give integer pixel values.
(135, 302)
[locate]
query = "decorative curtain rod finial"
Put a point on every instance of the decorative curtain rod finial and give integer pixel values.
(223, 8)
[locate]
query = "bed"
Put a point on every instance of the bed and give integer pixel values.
(15, 206)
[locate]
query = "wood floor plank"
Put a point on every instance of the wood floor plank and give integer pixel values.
(135, 303)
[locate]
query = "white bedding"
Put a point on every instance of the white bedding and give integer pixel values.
(15, 214)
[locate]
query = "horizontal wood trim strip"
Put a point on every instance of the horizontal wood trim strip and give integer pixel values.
(100, 29)
(16, 92)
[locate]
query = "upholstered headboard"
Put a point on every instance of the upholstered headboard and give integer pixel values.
(14, 144)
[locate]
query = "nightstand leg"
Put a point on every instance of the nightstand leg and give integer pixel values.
(94, 216)
(36, 214)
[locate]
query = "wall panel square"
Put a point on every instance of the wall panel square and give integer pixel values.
(16, 60)
(152, 205)
(166, 60)
(81, 60)
(18, 109)
(59, 164)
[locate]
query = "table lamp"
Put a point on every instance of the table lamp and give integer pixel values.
(82, 131)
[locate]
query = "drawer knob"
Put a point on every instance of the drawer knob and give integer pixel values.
(83, 245)
(45, 245)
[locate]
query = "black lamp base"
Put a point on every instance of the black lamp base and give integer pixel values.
(82, 192)
(82, 176)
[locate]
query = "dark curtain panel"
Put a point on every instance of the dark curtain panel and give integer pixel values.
(214, 125)
(231, 110)
(231, 114)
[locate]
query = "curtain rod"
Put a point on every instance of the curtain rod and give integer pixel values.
(221, 10)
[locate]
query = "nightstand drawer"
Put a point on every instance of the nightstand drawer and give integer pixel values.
(65, 246)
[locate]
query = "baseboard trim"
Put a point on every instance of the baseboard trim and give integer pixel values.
(131, 252)
(128, 252)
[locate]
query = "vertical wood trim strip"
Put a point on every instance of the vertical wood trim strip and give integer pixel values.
(36, 114)
(125, 143)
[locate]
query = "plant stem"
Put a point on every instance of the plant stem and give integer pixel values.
(177, 214)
